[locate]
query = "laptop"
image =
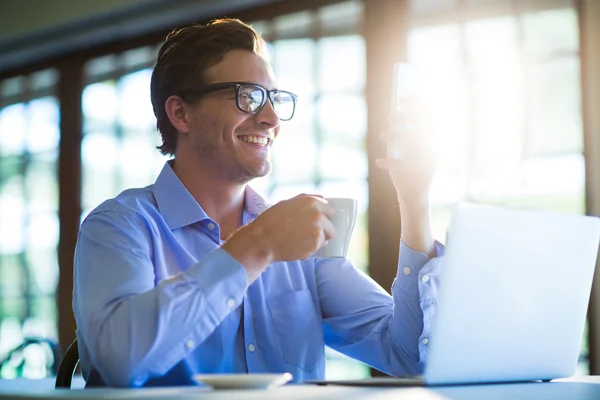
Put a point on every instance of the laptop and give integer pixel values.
(513, 298)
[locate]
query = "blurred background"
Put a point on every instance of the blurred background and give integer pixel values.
(516, 102)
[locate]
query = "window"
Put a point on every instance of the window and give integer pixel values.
(29, 226)
(505, 90)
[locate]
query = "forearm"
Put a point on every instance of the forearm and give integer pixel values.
(415, 222)
(135, 337)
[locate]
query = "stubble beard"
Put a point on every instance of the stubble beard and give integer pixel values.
(231, 170)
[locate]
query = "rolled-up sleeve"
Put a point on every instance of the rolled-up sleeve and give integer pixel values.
(363, 321)
(415, 292)
(134, 327)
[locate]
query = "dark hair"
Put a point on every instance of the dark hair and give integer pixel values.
(183, 58)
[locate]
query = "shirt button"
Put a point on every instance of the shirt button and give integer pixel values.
(406, 271)
(425, 341)
(230, 303)
(211, 226)
(425, 278)
(189, 344)
(251, 347)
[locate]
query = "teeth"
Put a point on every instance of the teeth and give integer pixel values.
(263, 141)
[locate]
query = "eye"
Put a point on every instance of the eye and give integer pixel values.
(250, 98)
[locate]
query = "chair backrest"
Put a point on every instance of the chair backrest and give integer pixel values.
(67, 367)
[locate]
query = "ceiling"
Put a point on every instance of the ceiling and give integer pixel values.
(34, 30)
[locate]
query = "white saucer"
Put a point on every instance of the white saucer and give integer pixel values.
(243, 381)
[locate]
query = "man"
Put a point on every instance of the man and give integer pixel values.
(196, 274)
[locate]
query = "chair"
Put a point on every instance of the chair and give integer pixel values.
(67, 367)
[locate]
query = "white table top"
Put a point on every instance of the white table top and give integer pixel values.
(580, 388)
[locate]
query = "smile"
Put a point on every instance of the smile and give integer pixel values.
(259, 140)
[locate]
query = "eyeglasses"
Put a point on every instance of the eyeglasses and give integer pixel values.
(251, 98)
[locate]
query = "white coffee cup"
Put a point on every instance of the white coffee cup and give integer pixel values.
(343, 220)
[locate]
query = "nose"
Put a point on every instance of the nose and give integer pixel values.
(268, 115)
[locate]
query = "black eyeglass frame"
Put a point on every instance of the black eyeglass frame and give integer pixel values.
(267, 94)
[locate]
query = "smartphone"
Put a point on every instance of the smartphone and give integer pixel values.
(404, 89)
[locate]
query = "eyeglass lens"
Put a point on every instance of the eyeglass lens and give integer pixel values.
(252, 98)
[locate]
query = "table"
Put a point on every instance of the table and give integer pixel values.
(583, 388)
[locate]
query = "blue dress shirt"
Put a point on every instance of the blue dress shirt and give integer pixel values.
(157, 300)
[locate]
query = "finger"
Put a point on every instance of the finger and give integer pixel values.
(326, 209)
(308, 195)
(328, 229)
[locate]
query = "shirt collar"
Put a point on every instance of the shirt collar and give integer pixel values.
(254, 205)
(179, 208)
(175, 203)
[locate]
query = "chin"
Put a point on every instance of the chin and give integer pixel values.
(250, 175)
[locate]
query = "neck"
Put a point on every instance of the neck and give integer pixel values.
(222, 201)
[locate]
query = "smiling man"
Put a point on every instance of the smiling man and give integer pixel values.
(197, 274)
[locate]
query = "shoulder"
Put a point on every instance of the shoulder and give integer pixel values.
(130, 205)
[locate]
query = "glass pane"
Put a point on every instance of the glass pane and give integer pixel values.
(12, 228)
(502, 32)
(13, 282)
(343, 118)
(293, 63)
(339, 162)
(139, 57)
(100, 150)
(430, 47)
(555, 104)
(294, 159)
(44, 309)
(496, 79)
(13, 129)
(43, 130)
(43, 263)
(429, 6)
(100, 105)
(42, 231)
(101, 66)
(44, 79)
(15, 307)
(41, 183)
(341, 18)
(341, 63)
(293, 25)
(551, 31)
(135, 108)
(12, 87)
(137, 159)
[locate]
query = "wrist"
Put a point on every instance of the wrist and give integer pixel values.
(412, 205)
(250, 250)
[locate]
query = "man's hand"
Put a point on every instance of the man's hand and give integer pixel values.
(412, 172)
(410, 135)
(292, 229)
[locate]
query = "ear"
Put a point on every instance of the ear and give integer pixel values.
(177, 110)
